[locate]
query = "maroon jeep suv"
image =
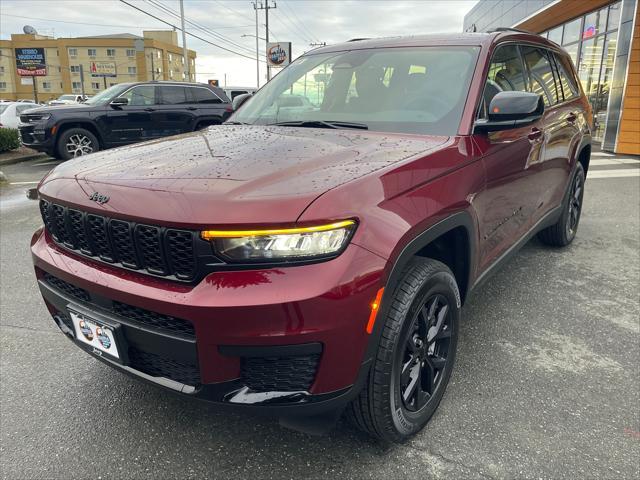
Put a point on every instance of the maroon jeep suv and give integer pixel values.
(312, 254)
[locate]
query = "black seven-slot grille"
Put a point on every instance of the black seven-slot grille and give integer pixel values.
(160, 251)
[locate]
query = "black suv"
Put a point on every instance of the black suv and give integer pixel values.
(122, 114)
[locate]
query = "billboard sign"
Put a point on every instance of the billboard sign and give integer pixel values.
(30, 62)
(103, 69)
(214, 82)
(278, 54)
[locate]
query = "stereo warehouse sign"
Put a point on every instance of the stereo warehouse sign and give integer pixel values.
(30, 62)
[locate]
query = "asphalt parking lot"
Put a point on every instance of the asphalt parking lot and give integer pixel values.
(547, 382)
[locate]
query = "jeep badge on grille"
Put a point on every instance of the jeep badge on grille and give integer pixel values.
(99, 198)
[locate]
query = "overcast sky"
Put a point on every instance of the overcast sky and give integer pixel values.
(224, 22)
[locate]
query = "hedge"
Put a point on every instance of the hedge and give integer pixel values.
(9, 139)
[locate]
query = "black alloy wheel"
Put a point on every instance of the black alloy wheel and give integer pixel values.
(424, 357)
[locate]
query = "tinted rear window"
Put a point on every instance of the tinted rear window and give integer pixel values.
(173, 95)
(203, 95)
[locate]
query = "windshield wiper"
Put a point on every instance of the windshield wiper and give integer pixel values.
(322, 124)
(235, 123)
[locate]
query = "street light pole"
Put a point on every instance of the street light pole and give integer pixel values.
(185, 56)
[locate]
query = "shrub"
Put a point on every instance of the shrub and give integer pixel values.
(9, 139)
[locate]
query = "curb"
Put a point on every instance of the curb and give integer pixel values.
(11, 161)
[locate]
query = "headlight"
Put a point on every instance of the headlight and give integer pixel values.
(279, 245)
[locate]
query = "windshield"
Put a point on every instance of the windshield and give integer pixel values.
(107, 95)
(3, 108)
(410, 90)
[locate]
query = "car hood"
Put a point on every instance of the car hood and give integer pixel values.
(62, 107)
(229, 174)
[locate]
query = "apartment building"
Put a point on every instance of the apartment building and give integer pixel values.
(154, 56)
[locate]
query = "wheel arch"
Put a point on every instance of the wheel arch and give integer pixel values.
(459, 228)
(583, 153)
(450, 241)
(87, 125)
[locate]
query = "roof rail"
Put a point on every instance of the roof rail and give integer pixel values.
(507, 29)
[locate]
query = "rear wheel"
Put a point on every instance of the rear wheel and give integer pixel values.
(76, 142)
(564, 230)
(415, 357)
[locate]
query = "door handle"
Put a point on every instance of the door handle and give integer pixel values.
(149, 109)
(534, 135)
(572, 117)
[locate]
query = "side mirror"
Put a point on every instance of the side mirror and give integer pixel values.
(239, 100)
(509, 110)
(119, 102)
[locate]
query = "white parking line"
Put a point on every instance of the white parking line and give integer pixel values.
(602, 154)
(623, 172)
(615, 161)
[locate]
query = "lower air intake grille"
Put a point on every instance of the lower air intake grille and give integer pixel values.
(67, 288)
(280, 374)
(153, 319)
(158, 366)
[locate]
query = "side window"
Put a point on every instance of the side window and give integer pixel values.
(567, 79)
(203, 95)
(235, 93)
(142, 95)
(173, 95)
(540, 74)
(505, 74)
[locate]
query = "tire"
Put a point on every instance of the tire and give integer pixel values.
(76, 142)
(564, 230)
(426, 297)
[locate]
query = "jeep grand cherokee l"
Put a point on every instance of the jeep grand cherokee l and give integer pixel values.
(122, 114)
(300, 261)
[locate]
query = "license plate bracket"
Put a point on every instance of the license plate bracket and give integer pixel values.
(100, 337)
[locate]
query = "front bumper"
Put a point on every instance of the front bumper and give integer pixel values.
(37, 136)
(291, 337)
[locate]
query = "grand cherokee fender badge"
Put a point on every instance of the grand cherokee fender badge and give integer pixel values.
(99, 198)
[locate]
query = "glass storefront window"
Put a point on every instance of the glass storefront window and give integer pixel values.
(601, 98)
(572, 50)
(572, 31)
(614, 16)
(555, 35)
(590, 63)
(594, 23)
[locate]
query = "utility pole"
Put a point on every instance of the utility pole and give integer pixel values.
(185, 57)
(255, 7)
(266, 7)
(82, 80)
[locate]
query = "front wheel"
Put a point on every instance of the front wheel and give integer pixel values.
(564, 230)
(415, 356)
(76, 142)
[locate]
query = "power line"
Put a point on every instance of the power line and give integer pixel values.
(302, 24)
(189, 33)
(199, 27)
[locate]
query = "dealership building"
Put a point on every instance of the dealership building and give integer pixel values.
(603, 39)
(122, 58)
